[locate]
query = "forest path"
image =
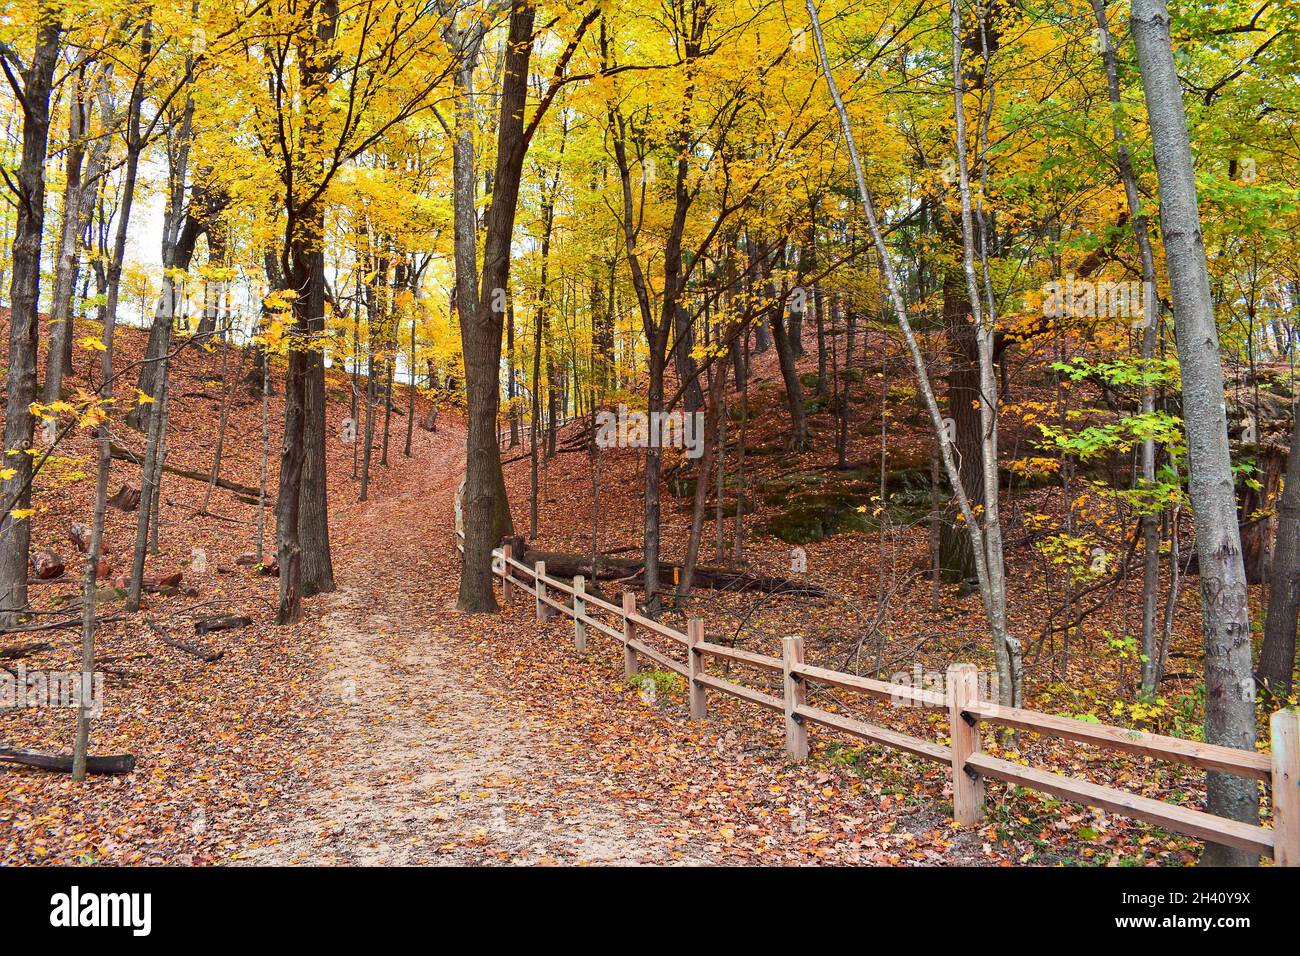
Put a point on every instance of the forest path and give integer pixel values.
(418, 757)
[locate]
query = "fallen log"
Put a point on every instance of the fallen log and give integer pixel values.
(207, 655)
(562, 565)
(221, 622)
(59, 625)
(23, 650)
(244, 491)
(118, 763)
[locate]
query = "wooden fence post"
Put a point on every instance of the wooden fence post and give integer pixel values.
(630, 664)
(967, 787)
(539, 572)
(507, 551)
(795, 695)
(579, 609)
(1285, 727)
(696, 692)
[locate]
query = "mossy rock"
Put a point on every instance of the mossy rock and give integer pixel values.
(819, 504)
(806, 524)
(797, 479)
(909, 486)
(817, 516)
(808, 379)
(779, 490)
(735, 413)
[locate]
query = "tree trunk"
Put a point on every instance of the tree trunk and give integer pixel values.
(179, 236)
(738, 539)
(717, 388)
(790, 375)
(155, 525)
(368, 439)
(221, 428)
(955, 554)
(1229, 685)
(1006, 648)
(512, 377)
(150, 473)
(1150, 306)
(288, 505)
(410, 394)
(1277, 655)
(313, 517)
(487, 510)
(24, 296)
(1000, 636)
(684, 362)
(212, 287)
(534, 491)
(70, 230)
(388, 408)
(94, 551)
(265, 459)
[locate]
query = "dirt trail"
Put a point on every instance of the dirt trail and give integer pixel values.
(419, 761)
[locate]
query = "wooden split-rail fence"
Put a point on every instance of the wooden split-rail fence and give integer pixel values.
(626, 626)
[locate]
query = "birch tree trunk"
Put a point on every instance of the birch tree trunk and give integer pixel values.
(1006, 648)
(991, 602)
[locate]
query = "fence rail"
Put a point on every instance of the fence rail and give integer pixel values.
(970, 767)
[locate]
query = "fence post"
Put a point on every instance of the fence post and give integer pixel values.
(539, 572)
(630, 664)
(967, 786)
(696, 692)
(1285, 727)
(507, 552)
(579, 609)
(795, 695)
